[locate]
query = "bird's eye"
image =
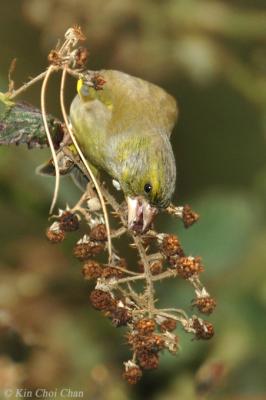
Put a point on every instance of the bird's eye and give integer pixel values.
(147, 187)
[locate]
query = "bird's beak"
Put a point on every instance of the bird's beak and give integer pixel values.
(140, 214)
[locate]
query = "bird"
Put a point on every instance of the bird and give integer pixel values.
(124, 130)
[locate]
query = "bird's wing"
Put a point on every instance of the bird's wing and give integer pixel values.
(137, 105)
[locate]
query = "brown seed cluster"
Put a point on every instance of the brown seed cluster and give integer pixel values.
(204, 329)
(85, 250)
(98, 82)
(145, 326)
(147, 336)
(189, 216)
(205, 305)
(98, 233)
(171, 246)
(68, 222)
(112, 272)
(81, 57)
(132, 374)
(120, 316)
(113, 309)
(102, 300)
(146, 343)
(55, 236)
(168, 325)
(188, 266)
(148, 359)
(92, 270)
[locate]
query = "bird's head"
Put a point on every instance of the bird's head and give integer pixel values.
(147, 177)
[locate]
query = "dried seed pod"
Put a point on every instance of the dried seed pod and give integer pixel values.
(120, 316)
(98, 81)
(189, 216)
(69, 222)
(156, 267)
(54, 234)
(112, 272)
(85, 250)
(203, 329)
(188, 266)
(153, 343)
(145, 326)
(148, 359)
(132, 373)
(149, 342)
(81, 57)
(205, 305)
(98, 232)
(168, 324)
(92, 270)
(101, 300)
(54, 57)
(171, 245)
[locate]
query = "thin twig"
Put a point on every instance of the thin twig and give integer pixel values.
(183, 321)
(131, 278)
(175, 310)
(26, 85)
(147, 272)
(43, 109)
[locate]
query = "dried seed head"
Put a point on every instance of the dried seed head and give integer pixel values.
(205, 305)
(81, 57)
(83, 251)
(54, 234)
(55, 237)
(132, 373)
(203, 329)
(69, 222)
(75, 34)
(168, 324)
(92, 270)
(54, 58)
(148, 359)
(188, 266)
(171, 245)
(149, 342)
(145, 326)
(98, 232)
(189, 216)
(101, 300)
(153, 342)
(98, 82)
(156, 267)
(112, 272)
(120, 316)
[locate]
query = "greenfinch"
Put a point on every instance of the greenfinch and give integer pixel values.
(124, 129)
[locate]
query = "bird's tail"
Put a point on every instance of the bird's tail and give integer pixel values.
(66, 167)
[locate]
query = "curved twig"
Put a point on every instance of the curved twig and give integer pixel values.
(51, 145)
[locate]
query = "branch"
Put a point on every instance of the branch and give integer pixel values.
(22, 123)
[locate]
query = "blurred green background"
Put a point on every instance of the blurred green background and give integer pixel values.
(211, 56)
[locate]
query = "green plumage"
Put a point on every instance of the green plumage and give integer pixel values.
(124, 129)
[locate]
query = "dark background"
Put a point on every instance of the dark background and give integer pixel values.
(211, 56)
